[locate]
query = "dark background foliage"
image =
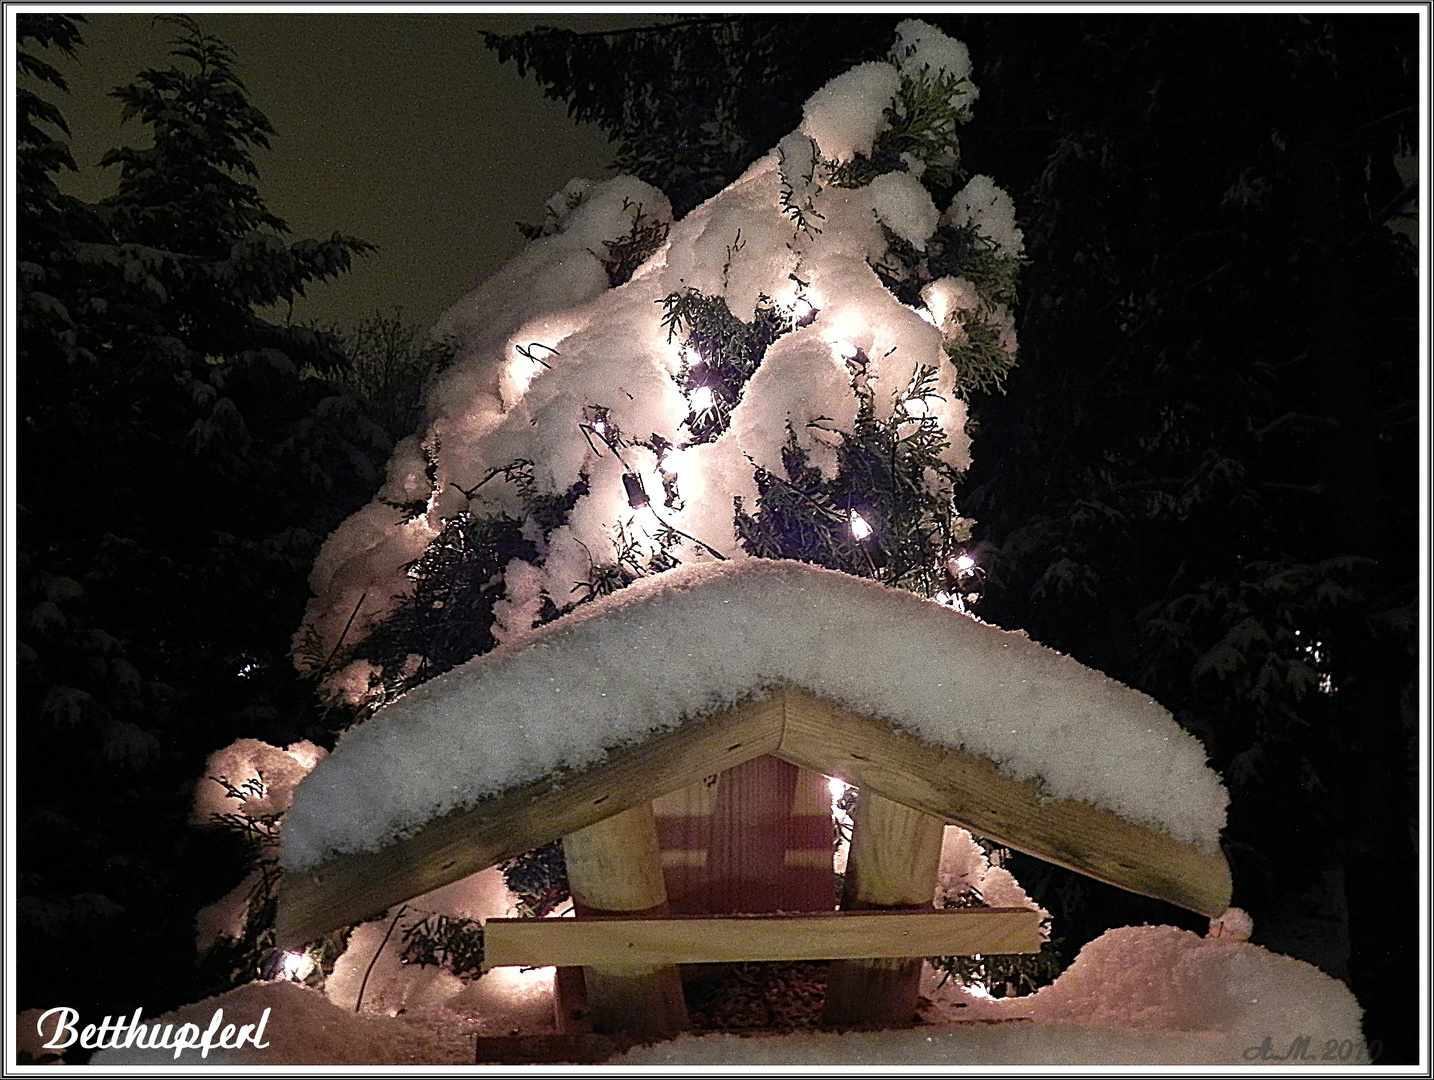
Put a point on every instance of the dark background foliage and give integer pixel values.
(1201, 478)
(180, 460)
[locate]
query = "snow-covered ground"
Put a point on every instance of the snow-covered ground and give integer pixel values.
(1138, 995)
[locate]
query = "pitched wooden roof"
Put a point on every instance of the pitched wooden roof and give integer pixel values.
(790, 723)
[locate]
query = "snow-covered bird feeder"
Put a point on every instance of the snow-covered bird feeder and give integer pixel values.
(573, 731)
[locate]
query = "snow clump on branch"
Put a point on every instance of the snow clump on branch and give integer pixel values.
(631, 393)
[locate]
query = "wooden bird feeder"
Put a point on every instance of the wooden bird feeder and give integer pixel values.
(637, 919)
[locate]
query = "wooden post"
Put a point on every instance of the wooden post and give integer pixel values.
(894, 857)
(614, 866)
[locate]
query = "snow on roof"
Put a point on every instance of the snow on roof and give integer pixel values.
(699, 639)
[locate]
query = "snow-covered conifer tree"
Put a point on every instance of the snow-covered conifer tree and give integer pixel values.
(782, 373)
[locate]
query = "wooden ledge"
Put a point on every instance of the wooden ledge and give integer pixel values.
(718, 939)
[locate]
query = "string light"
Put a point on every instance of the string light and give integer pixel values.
(702, 399)
(297, 966)
(844, 350)
(860, 528)
(667, 463)
(965, 564)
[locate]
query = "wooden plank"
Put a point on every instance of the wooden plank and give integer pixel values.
(973, 792)
(756, 838)
(895, 853)
(700, 939)
(353, 887)
(614, 866)
(753, 829)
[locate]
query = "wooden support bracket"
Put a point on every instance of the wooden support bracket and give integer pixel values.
(973, 792)
(350, 888)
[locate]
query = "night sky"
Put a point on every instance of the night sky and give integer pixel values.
(403, 130)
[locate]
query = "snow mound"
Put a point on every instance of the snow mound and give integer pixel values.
(1160, 978)
(921, 47)
(964, 869)
(252, 778)
(305, 1028)
(905, 207)
(988, 209)
(1139, 995)
(701, 638)
(846, 114)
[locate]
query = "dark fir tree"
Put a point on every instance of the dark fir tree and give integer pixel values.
(176, 472)
(722, 89)
(1203, 480)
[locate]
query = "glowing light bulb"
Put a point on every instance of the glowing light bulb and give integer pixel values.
(836, 787)
(669, 460)
(859, 526)
(916, 407)
(804, 311)
(942, 598)
(294, 964)
(600, 426)
(702, 399)
(965, 564)
(844, 350)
